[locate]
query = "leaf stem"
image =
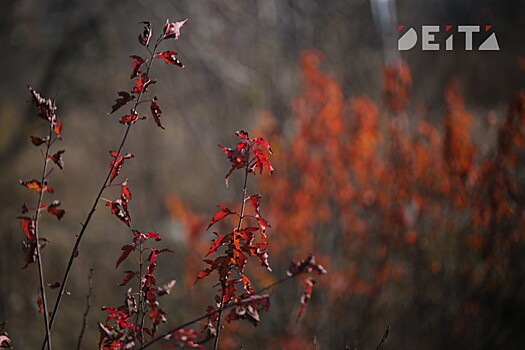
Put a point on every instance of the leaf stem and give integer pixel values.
(37, 239)
(140, 306)
(223, 284)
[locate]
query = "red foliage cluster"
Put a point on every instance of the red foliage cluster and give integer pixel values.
(126, 324)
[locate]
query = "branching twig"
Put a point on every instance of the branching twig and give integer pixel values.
(74, 251)
(86, 312)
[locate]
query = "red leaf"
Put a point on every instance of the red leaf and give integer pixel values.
(40, 304)
(142, 83)
(261, 161)
(255, 202)
(35, 185)
(126, 250)
(130, 118)
(243, 135)
(137, 63)
(24, 208)
(145, 37)
(57, 158)
(53, 209)
(216, 243)
(246, 284)
(37, 141)
(128, 277)
(172, 30)
(28, 226)
(153, 235)
(310, 282)
(170, 57)
(203, 273)
(156, 112)
(264, 143)
(220, 214)
(116, 164)
(125, 193)
(122, 100)
(152, 264)
(57, 127)
(119, 208)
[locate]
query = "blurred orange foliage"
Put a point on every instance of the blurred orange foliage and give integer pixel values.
(409, 216)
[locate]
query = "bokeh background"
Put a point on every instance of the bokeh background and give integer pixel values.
(405, 179)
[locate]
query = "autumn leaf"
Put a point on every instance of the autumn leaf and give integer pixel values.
(261, 161)
(37, 141)
(170, 57)
(246, 284)
(35, 185)
(116, 163)
(28, 226)
(137, 63)
(128, 277)
(125, 193)
(130, 118)
(54, 210)
(220, 214)
(40, 304)
(119, 209)
(57, 128)
(307, 295)
(145, 37)
(216, 243)
(172, 30)
(126, 250)
(156, 112)
(57, 158)
(264, 143)
(142, 83)
(123, 99)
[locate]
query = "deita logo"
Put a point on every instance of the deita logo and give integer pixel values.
(409, 38)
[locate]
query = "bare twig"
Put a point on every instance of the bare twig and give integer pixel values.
(88, 306)
(387, 330)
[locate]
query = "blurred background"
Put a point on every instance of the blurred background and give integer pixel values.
(405, 178)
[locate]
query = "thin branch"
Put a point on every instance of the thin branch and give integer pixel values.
(387, 330)
(223, 285)
(86, 312)
(141, 304)
(37, 238)
(74, 251)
